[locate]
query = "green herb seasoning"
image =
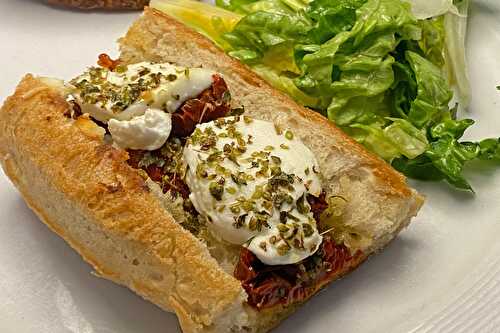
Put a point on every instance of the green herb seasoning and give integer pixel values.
(117, 90)
(216, 190)
(283, 249)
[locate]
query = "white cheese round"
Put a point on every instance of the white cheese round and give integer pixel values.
(147, 132)
(251, 181)
(129, 90)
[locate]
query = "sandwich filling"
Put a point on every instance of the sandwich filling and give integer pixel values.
(247, 181)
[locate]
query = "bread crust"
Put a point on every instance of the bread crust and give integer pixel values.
(101, 4)
(75, 182)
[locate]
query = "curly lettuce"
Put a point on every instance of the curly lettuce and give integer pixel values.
(382, 70)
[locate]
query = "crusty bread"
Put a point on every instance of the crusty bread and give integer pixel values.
(84, 190)
(104, 4)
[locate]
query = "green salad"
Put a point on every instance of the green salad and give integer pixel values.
(382, 70)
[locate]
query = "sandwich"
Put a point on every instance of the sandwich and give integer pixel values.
(179, 173)
(101, 4)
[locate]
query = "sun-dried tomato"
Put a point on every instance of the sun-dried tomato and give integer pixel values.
(134, 157)
(155, 173)
(106, 62)
(211, 104)
(268, 286)
(273, 291)
(244, 270)
(318, 204)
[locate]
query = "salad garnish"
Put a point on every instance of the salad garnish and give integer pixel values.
(384, 71)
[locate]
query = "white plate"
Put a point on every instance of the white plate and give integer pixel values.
(440, 275)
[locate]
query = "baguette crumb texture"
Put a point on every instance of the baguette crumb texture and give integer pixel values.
(380, 203)
(101, 4)
(85, 192)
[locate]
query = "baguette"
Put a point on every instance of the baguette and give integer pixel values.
(101, 4)
(130, 232)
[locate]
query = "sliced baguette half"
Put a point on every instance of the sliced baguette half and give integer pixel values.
(85, 191)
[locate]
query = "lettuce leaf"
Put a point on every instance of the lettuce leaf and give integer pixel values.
(332, 17)
(489, 150)
(432, 43)
(455, 27)
(449, 157)
(424, 9)
(261, 32)
(398, 139)
(285, 84)
(433, 93)
(421, 168)
(252, 6)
